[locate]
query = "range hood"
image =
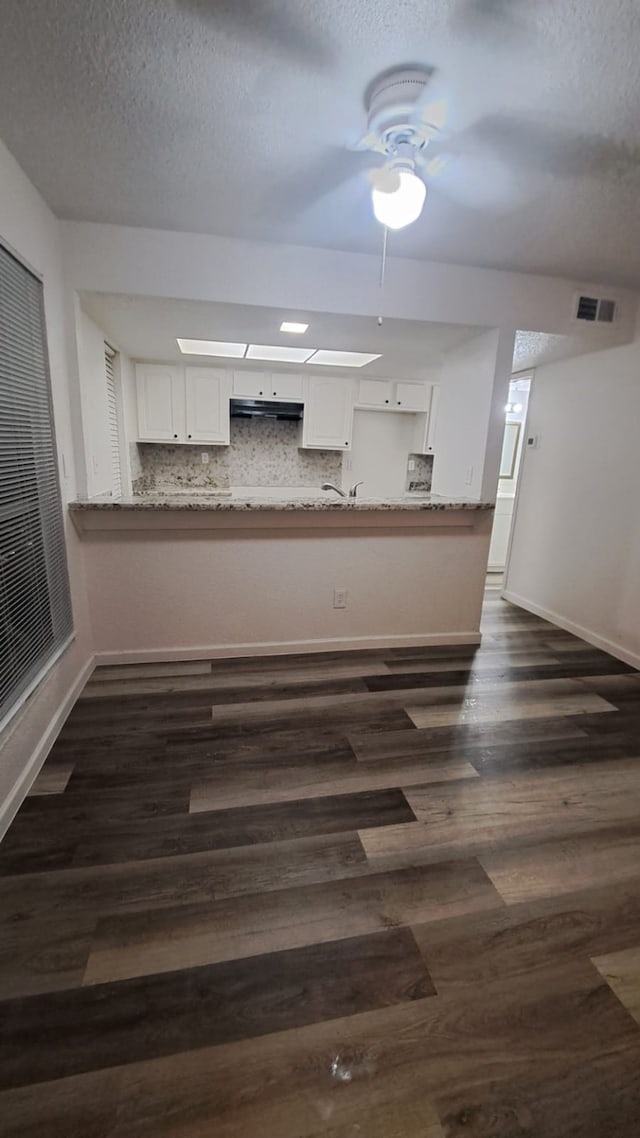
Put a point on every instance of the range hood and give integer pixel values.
(266, 409)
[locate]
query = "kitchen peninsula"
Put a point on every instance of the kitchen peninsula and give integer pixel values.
(246, 574)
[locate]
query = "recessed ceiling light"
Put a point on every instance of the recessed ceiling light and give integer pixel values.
(342, 359)
(211, 348)
(291, 326)
(276, 352)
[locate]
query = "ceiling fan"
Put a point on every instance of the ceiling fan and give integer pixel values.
(500, 155)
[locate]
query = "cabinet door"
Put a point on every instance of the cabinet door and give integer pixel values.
(160, 395)
(375, 393)
(252, 384)
(412, 396)
(424, 432)
(208, 391)
(286, 387)
(328, 414)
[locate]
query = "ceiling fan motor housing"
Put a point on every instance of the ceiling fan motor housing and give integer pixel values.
(392, 101)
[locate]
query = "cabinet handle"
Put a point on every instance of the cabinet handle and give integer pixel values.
(275, 392)
(386, 400)
(188, 436)
(259, 393)
(175, 436)
(399, 403)
(346, 443)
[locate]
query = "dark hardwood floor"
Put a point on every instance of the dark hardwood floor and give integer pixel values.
(353, 895)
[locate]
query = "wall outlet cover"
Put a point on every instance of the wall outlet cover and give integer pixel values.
(340, 598)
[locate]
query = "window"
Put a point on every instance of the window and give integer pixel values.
(35, 603)
(114, 438)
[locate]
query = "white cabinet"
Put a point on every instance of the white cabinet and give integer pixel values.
(385, 394)
(375, 393)
(425, 428)
(182, 405)
(412, 396)
(286, 387)
(251, 384)
(328, 415)
(161, 404)
(207, 394)
(267, 385)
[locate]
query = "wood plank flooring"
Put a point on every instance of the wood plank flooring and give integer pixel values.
(392, 894)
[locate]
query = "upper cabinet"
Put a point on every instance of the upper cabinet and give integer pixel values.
(161, 403)
(412, 396)
(328, 413)
(267, 385)
(386, 395)
(182, 405)
(425, 426)
(207, 392)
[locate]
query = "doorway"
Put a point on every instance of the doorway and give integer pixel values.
(510, 463)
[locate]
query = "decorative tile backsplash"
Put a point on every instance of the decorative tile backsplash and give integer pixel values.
(419, 479)
(262, 452)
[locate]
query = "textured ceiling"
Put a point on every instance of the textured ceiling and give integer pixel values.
(534, 349)
(229, 116)
(146, 328)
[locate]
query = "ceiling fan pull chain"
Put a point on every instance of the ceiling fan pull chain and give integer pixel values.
(383, 265)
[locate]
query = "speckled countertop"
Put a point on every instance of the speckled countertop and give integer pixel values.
(211, 502)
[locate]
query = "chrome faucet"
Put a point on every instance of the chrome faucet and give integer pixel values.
(353, 493)
(330, 486)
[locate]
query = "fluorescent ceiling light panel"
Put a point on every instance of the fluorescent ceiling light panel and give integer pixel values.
(342, 359)
(211, 348)
(292, 326)
(276, 352)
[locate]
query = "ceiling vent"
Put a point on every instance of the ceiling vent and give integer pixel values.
(595, 310)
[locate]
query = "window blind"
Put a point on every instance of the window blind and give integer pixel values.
(35, 602)
(109, 359)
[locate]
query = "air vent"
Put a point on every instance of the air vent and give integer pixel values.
(595, 310)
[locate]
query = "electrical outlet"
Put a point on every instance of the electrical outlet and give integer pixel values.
(411, 465)
(340, 598)
(469, 476)
(533, 442)
(348, 462)
(204, 457)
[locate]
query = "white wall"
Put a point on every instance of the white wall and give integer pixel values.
(152, 262)
(29, 229)
(380, 448)
(245, 591)
(474, 385)
(576, 542)
(95, 408)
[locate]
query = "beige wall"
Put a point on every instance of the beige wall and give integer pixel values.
(178, 594)
(28, 227)
(576, 541)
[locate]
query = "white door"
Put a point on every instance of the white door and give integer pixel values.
(328, 414)
(160, 395)
(208, 391)
(412, 396)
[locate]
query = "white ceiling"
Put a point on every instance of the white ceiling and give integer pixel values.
(146, 329)
(228, 116)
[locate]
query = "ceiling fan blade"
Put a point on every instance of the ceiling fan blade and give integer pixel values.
(497, 19)
(477, 181)
(268, 24)
(542, 147)
(301, 189)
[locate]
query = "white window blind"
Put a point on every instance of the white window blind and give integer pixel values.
(35, 602)
(116, 474)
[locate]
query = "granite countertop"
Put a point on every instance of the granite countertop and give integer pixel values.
(184, 502)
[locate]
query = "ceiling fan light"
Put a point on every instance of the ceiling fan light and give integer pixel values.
(402, 206)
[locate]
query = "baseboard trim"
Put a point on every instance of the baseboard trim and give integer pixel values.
(22, 786)
(587, 634)
(285, 647)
